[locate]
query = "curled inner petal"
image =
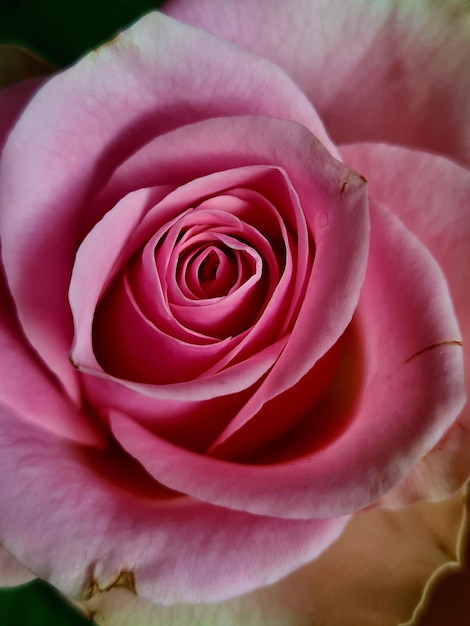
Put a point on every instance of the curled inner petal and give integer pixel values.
(209, 288)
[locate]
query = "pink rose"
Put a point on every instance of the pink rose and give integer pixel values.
(218, 342)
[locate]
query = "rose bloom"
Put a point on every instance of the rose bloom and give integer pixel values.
(235, 249)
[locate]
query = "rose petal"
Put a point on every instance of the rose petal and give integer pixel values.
(430, 194)
(12, 573)
(30, 390)
(81, 520)
(193, 425)
(12, 101)
(372, 575)
(16, 65)
(384, 71)
(98, 112)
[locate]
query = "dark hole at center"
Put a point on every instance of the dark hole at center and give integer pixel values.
(208, 270)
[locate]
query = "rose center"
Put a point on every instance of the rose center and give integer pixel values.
(208, 269)
(210, 272)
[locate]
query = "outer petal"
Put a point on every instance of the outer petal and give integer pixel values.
(446, 593)
(27, 389)
(12, 101)
(372, 575)
(431, 195)
(17, 64)
(389, 70)
(12, 573)
(156, 76)
(84, 520)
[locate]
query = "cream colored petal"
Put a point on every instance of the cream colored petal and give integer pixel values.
(445, 599)
(12, 573)
(374, 575)
(17, 63)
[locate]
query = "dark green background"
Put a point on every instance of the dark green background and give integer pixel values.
(62, 30)
(37, 604)
(59, 31)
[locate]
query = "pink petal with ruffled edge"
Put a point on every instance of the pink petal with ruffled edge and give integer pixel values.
(98, 112)
(412, 389)
(94, 525)
(393, 70)
(431, 195)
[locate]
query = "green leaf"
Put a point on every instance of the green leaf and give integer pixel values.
(63, 31)
(38, 604)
